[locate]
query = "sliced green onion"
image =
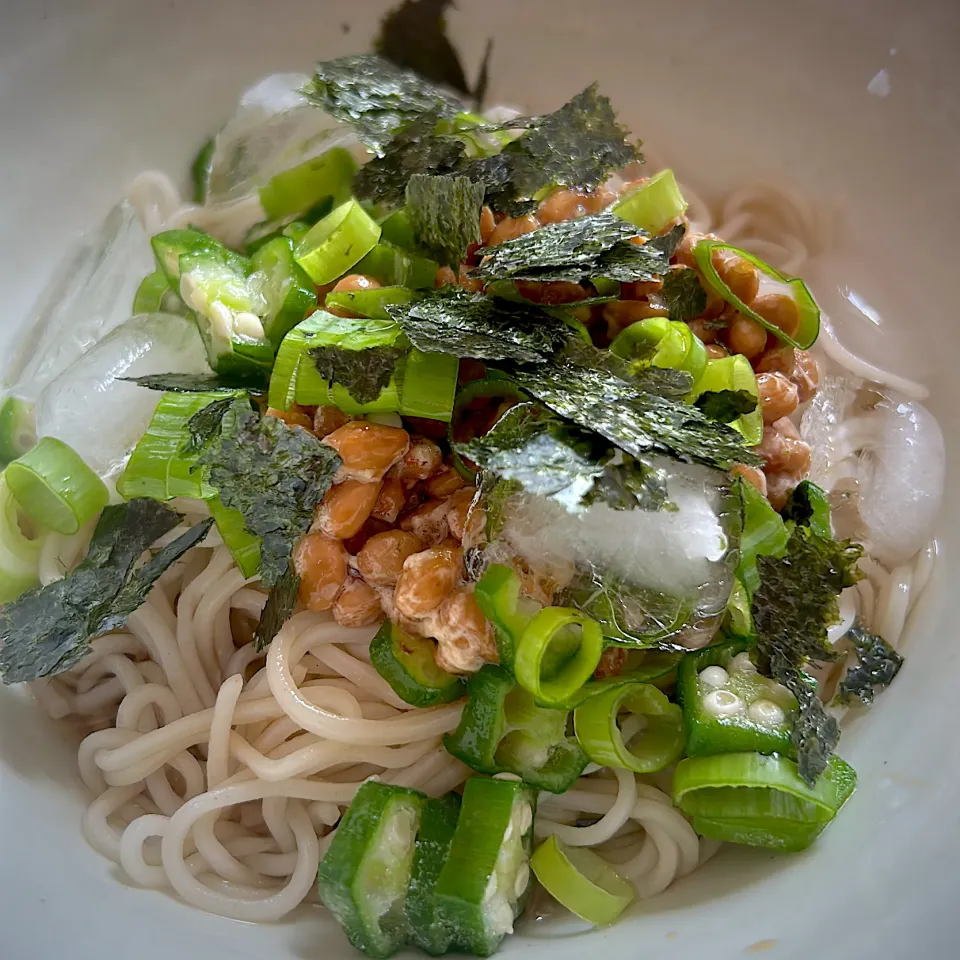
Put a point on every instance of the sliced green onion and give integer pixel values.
(429, 385)
(288, 291)
(337, 242)
(498, 595)
(763, 533)
(660, 742)
(243, 545)
(395, 266)
(18, 428)
(551, 661)
(581, 881)
(662, 343)
(158, 468)
(408, 664)
(19, 554)
(398, 230)
(760, 800)
(55, 487)
(654, 204)
(809, 327)
(734, 374)
(739, 618)
(346, 333)
(154, 295)
(371, 303)
(298, 189)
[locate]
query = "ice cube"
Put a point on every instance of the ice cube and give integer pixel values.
(274, 128)
(676, 551)
(89, 295)
(902, 471)
(102, 417)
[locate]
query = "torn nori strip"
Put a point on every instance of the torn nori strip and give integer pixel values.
(638, 422)
(415, 149)
(414, 36)
(204, 425)
(274, 475)
(281, 601)
(48, 630)
(376, 96)
(575, 146)
(364, 373)
(878, 664)
(684, 293)
(198, 382)
(444, 213)
(572, 245)
(595, 246)
(792, 607)
(552, 458)
(450, 320)
(726, 405)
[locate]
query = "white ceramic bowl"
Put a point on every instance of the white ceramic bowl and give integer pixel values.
(854, 103)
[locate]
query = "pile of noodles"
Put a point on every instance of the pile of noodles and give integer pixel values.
(221, 772)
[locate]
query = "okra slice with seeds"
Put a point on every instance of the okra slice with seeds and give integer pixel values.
(484, 884)
(364, 876)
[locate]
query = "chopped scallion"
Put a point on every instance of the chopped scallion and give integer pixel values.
(54, 487)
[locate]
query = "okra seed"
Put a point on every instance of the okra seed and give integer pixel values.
(742, 663)
(192, 295)
(523, 877)
(764, 711)
(526, 818)
(714, 676)
(503, 918)
(248, 325)
(722, 703)
(221, 319)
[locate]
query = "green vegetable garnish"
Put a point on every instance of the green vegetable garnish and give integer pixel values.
(582, 881)
(407, 663)
(807, 310)
(726, 405)
(654, 204)
(200, 171)
(450, 320)
(48, 629)
(763, 533)
(758, 800)
(659, 742)
(54, 487)
(878, 664)
(502, 730)
(376, 96)
(161, 465)
(364, 875)
(444, 214)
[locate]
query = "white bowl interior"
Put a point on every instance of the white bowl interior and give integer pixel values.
(91, 94)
